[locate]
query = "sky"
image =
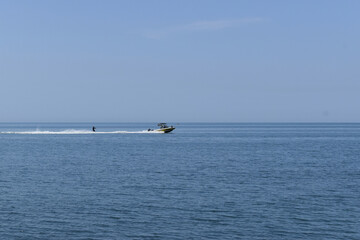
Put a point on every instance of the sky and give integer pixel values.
(179, 61)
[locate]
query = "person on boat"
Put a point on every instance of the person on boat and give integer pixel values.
(93, 128)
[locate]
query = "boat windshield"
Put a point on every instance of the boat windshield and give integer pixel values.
(162, 125)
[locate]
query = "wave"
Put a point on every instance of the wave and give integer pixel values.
(74, 131)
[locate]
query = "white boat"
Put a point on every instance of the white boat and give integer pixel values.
(163, 128)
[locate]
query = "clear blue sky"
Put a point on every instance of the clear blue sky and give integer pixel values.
(237, 61)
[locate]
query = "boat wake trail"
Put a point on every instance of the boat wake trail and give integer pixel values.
(74, 131)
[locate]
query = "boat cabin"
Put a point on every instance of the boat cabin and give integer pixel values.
(162, 125)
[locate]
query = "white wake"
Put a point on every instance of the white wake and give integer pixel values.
(74, 131)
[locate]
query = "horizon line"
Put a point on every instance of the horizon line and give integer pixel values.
(274, 122)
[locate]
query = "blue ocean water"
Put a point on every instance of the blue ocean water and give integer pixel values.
(203, 181)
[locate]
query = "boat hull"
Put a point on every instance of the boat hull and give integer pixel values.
(165, 130)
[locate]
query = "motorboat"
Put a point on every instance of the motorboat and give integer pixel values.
(164, 128)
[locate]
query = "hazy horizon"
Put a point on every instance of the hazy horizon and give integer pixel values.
(177, 122)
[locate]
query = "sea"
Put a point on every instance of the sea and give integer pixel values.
(201, 181)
